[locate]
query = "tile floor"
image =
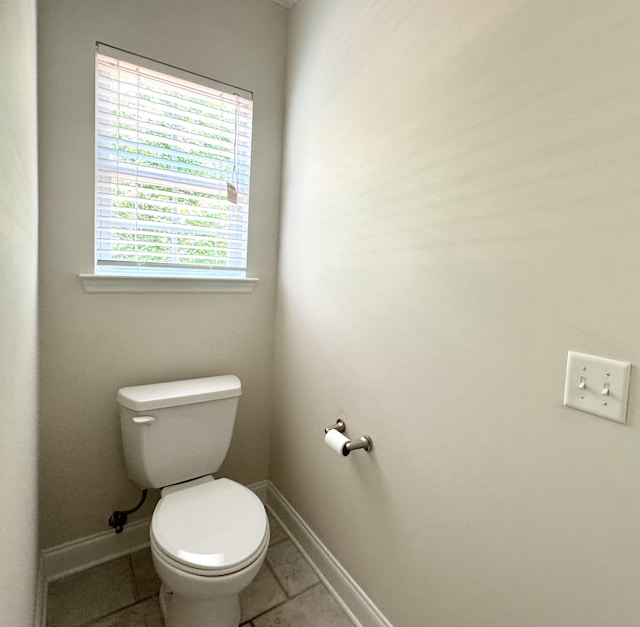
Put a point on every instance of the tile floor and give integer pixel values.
(124, 593)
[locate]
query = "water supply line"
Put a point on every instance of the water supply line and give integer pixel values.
(118, 519)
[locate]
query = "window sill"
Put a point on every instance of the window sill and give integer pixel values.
(127, 284)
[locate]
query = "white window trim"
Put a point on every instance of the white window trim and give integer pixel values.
(126, 284)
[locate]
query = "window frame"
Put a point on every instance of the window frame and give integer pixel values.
(165, 278)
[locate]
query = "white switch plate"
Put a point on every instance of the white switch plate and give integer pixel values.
(597, 374)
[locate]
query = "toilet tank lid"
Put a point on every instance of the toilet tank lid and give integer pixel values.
(174, 393)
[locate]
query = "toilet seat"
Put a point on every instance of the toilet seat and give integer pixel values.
(210, 527)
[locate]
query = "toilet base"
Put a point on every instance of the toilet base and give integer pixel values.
(164, 599)
(179, 611)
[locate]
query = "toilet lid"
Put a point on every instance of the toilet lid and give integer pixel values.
(218, 526)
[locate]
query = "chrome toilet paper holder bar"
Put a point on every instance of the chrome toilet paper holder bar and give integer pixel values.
(365, 442)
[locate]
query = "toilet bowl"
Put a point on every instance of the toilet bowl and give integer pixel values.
(209, 537)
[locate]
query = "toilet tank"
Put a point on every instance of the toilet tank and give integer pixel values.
(176, 431)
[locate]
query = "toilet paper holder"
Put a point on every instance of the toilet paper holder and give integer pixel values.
(365, 442)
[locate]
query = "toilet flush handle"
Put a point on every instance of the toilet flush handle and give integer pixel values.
(144, 420)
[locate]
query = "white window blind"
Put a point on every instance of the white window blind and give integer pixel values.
(173, 153)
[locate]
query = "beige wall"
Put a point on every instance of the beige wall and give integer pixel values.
(91, 345)
(18, 311)
(461, 190)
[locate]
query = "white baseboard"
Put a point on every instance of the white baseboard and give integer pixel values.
(350, 596)
(72, 557)
(41, 597)
(261, 490)
(78, 555)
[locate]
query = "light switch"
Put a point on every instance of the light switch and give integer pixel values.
(597, 385)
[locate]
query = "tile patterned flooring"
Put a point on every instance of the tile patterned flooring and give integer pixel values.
(124, 593)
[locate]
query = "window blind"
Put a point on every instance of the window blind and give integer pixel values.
(173, 156)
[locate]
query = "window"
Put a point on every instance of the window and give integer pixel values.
(173, 153)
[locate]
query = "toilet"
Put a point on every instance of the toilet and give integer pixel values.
(209, 537)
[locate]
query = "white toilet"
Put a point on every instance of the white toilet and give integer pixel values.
(209, 537)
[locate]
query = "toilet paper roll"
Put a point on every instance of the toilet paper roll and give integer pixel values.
(336, 442)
